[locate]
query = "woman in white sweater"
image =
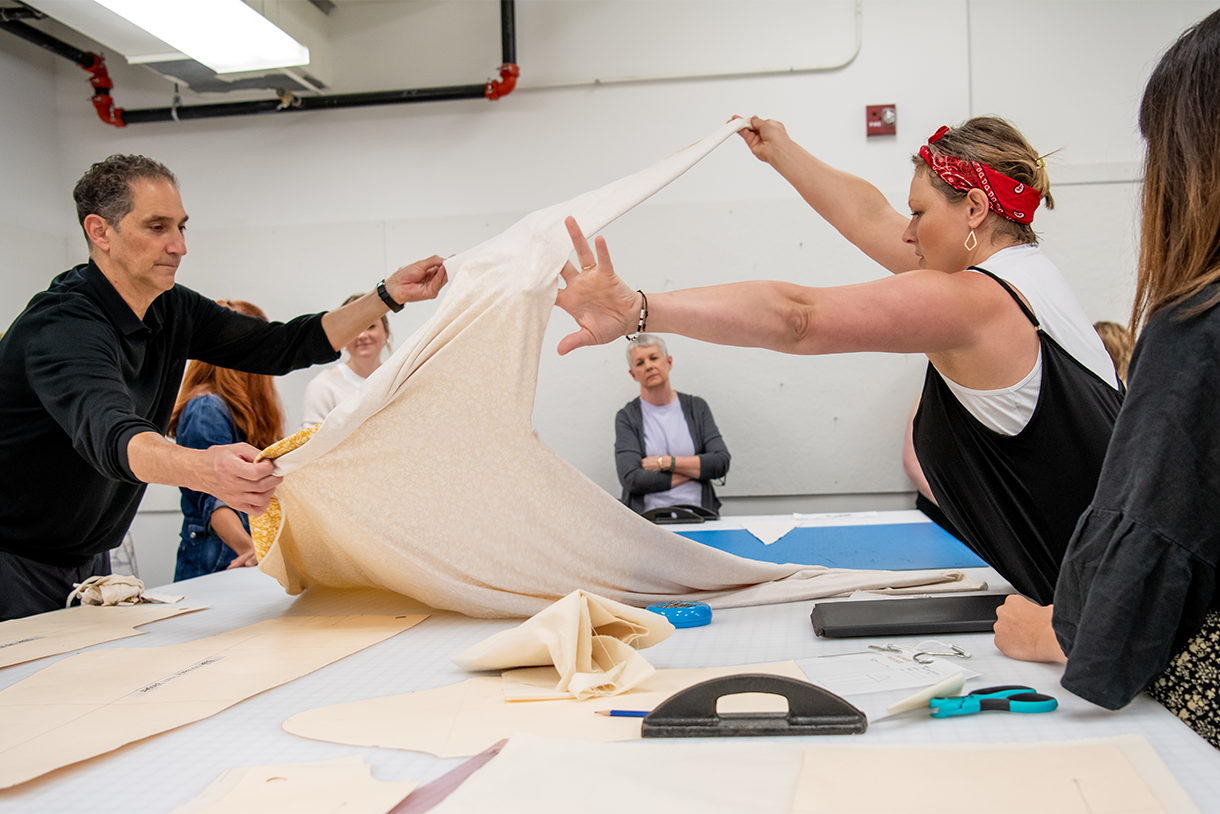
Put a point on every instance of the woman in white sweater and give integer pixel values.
(334, 384)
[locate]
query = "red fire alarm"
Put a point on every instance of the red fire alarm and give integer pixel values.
(881, 120)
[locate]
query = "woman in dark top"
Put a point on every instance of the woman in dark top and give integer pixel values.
(216, 406)
(1020, 395)
(1137, 605)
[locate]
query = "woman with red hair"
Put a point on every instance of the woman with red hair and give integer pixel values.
(217, 406)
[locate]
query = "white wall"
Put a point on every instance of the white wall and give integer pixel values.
(295, 211)
(32, 239)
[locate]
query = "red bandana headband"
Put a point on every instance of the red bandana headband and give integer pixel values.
(1007, 198)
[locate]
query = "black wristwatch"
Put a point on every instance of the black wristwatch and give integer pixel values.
(387, 299)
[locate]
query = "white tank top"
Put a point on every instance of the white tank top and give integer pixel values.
(1008, 409)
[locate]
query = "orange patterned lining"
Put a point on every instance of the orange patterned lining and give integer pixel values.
(265, 527)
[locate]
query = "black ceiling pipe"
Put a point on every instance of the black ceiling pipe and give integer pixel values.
(10, 21)
(331, 102)
(508, 32)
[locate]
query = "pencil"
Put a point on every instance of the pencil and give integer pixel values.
(623, 713)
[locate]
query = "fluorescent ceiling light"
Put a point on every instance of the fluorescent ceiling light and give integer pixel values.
(226, 35)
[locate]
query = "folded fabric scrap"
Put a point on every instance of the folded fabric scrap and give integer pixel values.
(115, 589)
(581, 646)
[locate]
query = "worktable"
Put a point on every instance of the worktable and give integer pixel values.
(167, 770)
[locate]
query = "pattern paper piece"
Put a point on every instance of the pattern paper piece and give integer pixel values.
(94, 702)
(534, 775)
(48, 634)
(341, 786)
(1051, 778)
(430, 481)
(877, 671)
(585, 646)
(464, 719)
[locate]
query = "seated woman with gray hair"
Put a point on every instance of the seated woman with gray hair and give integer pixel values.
(667, 447)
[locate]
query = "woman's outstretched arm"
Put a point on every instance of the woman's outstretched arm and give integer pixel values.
(925, 311)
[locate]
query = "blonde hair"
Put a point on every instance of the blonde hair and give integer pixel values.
(1118, 342)
(993, 141)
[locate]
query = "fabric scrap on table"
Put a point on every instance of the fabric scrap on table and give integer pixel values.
(115, 589)
(583, 646)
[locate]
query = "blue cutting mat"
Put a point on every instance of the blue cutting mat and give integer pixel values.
(896, 547)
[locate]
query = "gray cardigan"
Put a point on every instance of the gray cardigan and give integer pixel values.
(629, 452)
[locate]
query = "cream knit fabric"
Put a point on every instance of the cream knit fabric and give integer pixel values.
(432, 483)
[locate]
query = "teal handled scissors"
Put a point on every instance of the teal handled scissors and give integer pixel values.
(1009, 698)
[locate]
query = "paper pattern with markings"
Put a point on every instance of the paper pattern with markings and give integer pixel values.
(877, 671)
(49, 634)
(1112, 775)
(464, 719)
(92, 703)
(341, 786)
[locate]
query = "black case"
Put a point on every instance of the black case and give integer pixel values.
(907, 617)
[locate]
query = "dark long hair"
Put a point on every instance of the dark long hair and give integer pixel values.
(1180, 120)
(251, 398)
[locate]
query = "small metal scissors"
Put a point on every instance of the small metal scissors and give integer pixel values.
(1008, 698)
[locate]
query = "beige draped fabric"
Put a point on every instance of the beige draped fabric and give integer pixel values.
(583, 646)
(430, 481)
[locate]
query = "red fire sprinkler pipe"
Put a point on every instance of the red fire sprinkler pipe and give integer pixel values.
(497, 89)
(103, 102)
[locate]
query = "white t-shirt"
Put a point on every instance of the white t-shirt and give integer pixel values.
(667, 433)
(327, 389)
(1029, 271)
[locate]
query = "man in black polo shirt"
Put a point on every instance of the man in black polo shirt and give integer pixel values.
(90, 370)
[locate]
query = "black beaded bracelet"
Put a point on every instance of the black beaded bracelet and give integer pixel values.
(387, 299)
(643, 317)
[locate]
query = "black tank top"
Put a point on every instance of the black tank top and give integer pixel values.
(1015, 499)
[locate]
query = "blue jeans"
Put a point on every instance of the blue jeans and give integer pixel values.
(201, 552)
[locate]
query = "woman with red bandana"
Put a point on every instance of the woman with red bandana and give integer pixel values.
(1020, 396)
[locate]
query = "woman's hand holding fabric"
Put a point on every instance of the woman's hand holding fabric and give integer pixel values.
(764, 137)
